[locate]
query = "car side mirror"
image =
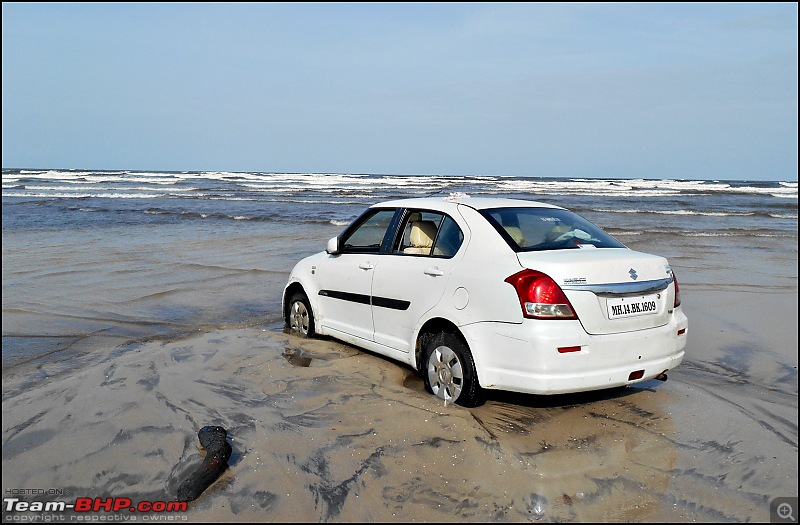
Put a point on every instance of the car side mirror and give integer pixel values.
(333, 246)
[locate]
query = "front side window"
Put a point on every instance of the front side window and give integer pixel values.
(534, 229)
(368, 233)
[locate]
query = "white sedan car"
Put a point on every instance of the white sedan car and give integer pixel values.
(484, 293)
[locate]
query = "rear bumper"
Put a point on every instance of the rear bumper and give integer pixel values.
(525, 358)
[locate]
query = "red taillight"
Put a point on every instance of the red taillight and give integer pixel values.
(540, 297)
(677, 292)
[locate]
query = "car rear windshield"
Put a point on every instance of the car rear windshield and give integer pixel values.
(535, 229)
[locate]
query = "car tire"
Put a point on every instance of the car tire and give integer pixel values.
(449, 371)
(299, 316)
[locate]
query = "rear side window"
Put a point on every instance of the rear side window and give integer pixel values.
(449, 240)
(427, 233)
(534, 229)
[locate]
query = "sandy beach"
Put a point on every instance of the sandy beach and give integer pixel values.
(130, 324)
(322, 431)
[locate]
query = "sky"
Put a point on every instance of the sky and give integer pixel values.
(588, 90)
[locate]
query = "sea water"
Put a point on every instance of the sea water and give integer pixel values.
(96, 260)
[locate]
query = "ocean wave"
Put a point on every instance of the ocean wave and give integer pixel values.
(709, 233)
(775, 235)
(102, 188)
(671, 197)
(783, 195)
(267, 217)
(316, 201)
(676, 212)
(96, 179)
(55, 195)
(480, 184)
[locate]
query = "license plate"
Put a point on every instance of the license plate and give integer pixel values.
(619, 307)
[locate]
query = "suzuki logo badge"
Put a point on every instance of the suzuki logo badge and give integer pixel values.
(632, 273)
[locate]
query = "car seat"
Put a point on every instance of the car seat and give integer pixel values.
(422, 236)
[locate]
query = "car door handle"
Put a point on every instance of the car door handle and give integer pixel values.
(366, 266)
(436, 272)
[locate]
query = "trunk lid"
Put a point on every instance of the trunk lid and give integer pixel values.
(612, 290)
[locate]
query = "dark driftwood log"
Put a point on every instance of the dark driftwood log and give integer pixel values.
(215, 442)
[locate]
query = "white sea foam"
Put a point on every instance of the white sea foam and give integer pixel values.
(54, 195)
(226, 198)
(676, 212)
(308, 201)
(348, 188)
(736, 234)
(104, 187)
(481, 184)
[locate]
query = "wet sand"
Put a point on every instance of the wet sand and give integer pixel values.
(322, 431)
(130, 324)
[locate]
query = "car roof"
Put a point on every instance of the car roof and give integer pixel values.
(452, 201)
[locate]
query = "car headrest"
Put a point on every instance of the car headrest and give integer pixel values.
(422, 234)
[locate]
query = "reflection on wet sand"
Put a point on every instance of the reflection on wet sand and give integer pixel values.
(590, 457)
(324, 432)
